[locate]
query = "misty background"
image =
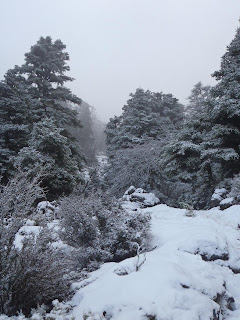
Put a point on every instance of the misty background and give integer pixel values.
(117, 46)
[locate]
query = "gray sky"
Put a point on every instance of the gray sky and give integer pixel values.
(116, 46)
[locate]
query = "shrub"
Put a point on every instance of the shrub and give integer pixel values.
(32, 276)
(33, 273)
(100, 230)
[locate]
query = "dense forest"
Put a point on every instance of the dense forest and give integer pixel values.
(52, 147)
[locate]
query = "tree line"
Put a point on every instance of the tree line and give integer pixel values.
(181, 152)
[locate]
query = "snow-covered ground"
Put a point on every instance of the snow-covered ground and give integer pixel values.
(191, 273)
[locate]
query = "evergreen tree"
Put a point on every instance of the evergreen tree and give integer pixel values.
(31, 93)
(146, 116)
(197, 100)
(49, 149)
(209, 151)
(44, 69)
(183, 157)
(221, 143)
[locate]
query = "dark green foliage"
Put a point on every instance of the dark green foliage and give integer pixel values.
(224, 112)
(136, 142)
(34, 96)
(206, 152)
(49, 149)
(146, 116)
(15, 119)
(45, 67)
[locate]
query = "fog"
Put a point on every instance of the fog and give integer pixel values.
(116, 46)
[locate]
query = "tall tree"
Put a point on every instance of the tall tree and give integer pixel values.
(44, 70)
(32, 93)
(147, 115)
(197, 100)
(223, 139)
(207, 150)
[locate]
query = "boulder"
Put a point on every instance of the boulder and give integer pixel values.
(226, 203)
(217, 197)
(130, 190)
(141, 197)
(45, 207)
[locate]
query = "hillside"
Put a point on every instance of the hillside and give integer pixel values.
(192, 272)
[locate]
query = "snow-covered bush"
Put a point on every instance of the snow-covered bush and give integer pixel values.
(33, 272)
(100, 230)
(32, 275)
(19, 196)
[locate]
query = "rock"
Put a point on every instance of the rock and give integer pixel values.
(215, 203)
(146, 199)
(45, 207)
(30, 222)
(130, 190)
(217, 197)
(141, 197)
(140, 190)
(226, 203)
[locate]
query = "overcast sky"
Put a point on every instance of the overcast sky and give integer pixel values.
(116, 46)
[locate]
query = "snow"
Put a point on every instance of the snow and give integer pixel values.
(189, 266)
(220, 191)
(141, 197)
(227, 201)
(218, 194)
(45, 207)
(24, 232)
(190, 272)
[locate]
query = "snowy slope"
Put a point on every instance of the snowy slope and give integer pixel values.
(187, 276)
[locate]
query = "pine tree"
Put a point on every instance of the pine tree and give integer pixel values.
(209, 152)
(33, 92)
(146, 116)
(197, 100)
(222, 141)
(49, 149)
(44, 70)
(183, 158)
(15, 119)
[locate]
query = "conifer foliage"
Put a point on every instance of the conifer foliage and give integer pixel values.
(225, 112)
(34, 96)
(146, 116)
(201, 151)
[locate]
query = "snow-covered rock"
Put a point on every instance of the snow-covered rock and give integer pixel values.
(45, 207)
(130, 190)
(141, 197)
(217, 197)
(226, 203)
